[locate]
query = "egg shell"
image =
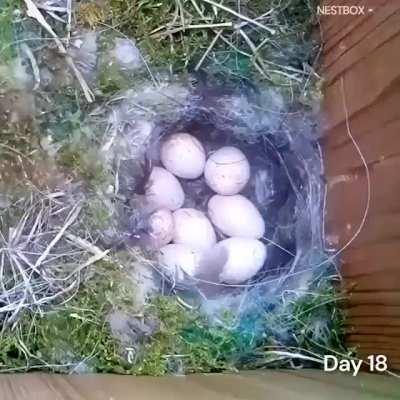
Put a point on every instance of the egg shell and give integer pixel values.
(193, 228)
(163, 190)
(161, 228)
(183, 155)
(236, 216)
(227, 171)
(177, 259)
(244, 258)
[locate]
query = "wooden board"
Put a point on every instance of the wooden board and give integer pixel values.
(277, 385)
(360, 65)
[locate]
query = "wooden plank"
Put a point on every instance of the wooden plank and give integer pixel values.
(360, 23)
(369, 21)
(347, 381)
(375, 147)
(357, 269)
(376, 258)
(378, 229)
(380, 281)
(371, 119)
(375, 348)
(372, 78)
(279, 385)
(347, 194)
(375, 298)
(373, 321)
(330, 23)
(373, 311)
(360, 52)
(354, 339)
(391, 359)
(374, 330)
(345, 206)
(348, 50)
(365, 351)
(365, 52)
(340, 22)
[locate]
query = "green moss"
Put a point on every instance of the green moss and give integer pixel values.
(62, 118)
(307, 323)
(112, 78)
(85, 161)
(80, 151)
(97, 214)
(77, 336)
(7, 9)
(72, 334)
(318, 320)
(187, 343)
(77, 333)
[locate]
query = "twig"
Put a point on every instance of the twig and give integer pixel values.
(51, 8)
(279, 246)
(12, 149)
(261, 68)
(181, 12)
(69, 20)
(198, 26)
(55, 16)
(70, 220)
(34, 12)
(89, 262)
(210, 47)
(286, 354)
(85, 87)
(84, 244)
(35, 68)
(241, 16)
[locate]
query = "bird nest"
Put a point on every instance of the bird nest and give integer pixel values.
(286, 171)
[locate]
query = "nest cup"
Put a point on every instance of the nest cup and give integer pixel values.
(285, 183)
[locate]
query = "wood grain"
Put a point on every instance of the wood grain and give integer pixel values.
(362, 53)
(359, 43)
(374, 298)
(279, 385)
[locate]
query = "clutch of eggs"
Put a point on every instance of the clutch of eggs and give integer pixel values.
(194, 241)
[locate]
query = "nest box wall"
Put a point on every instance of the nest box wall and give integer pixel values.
(361, 69)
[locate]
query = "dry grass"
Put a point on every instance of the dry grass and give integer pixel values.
(41, 261)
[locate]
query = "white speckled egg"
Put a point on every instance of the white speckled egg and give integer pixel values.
(244, 258)
(161, 228)
(183, 155)
(193, 228)
(177, 259)
(163, 190)
(236, 216)
(227, 171)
